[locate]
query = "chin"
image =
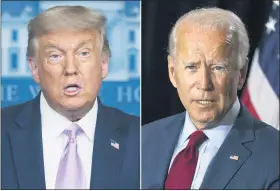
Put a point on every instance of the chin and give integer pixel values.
(73, 105)
(203, 117)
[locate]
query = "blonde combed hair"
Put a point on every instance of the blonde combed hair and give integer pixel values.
(67, 17)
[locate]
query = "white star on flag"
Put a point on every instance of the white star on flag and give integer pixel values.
(275, 4)
(270, 25)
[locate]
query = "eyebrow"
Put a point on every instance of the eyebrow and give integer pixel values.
(191, 62)
(81, 44)
(223, 62)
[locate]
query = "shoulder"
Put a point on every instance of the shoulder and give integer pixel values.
(126, 122)
(116, 114)
(264, 146)
(156, 126)
(265, 150)
(14, 109)
(162, 122)
(10, 113)
(128, 126)
(266, 135)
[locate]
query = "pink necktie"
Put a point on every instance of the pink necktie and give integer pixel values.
(70, 174)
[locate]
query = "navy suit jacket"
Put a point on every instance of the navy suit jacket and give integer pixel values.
(256, 144)
(22, 165)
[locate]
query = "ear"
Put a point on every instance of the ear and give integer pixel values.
(242, 76)
(34, 69)
(171, 70)
(105, 65)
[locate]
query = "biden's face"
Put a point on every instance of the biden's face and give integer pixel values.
(69, 68)
(204, 71)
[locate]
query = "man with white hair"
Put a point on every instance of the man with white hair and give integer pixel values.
(215, 143)
(66, 138)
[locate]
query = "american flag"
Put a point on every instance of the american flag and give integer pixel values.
(115, 144)
(261, 95)
(234, 157)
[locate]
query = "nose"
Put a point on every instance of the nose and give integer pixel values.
(70, 66)
(205, 82)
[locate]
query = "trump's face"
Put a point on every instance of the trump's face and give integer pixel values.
(204, 71)
(69, 68)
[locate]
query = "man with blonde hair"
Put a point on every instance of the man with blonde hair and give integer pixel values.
(66, 138)
(215, 143)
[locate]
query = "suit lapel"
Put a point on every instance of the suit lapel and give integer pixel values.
(222, 168)
(164, 148)
(26, 144)
(107, 160)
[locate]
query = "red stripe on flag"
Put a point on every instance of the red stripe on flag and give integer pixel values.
(248, 104)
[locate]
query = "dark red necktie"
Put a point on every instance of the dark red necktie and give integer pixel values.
(183, 168)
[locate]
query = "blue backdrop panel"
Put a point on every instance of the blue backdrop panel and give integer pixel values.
(121, 88)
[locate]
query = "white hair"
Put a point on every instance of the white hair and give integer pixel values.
(218, 19)
(67, 17)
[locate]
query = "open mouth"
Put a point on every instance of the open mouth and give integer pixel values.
(72, 89)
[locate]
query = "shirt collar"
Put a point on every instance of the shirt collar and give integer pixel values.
(216, 134)
(88, 122)
(53, 123)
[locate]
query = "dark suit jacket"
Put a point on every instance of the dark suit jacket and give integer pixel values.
(256, 144)
(22, 165)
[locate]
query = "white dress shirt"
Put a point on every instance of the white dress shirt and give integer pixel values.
(54, 141)
(209, 148)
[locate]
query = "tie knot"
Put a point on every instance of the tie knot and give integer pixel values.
(197, 138)
(73, 131)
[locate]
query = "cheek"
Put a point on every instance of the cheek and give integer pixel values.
(232, 84)
(227, 87)
(50, 70)
(50, 74)
(91, 74)
(185, 87)
(183, 80)
(91, 70)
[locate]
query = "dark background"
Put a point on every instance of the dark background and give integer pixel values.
(159, 97)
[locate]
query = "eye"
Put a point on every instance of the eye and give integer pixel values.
(84, 53)
(191, 67)
(54, 57)
(219, 68)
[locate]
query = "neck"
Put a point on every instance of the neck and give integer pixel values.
(204, 125)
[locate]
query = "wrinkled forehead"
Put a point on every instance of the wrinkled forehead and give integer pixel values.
(69, 39)
(193, 39)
